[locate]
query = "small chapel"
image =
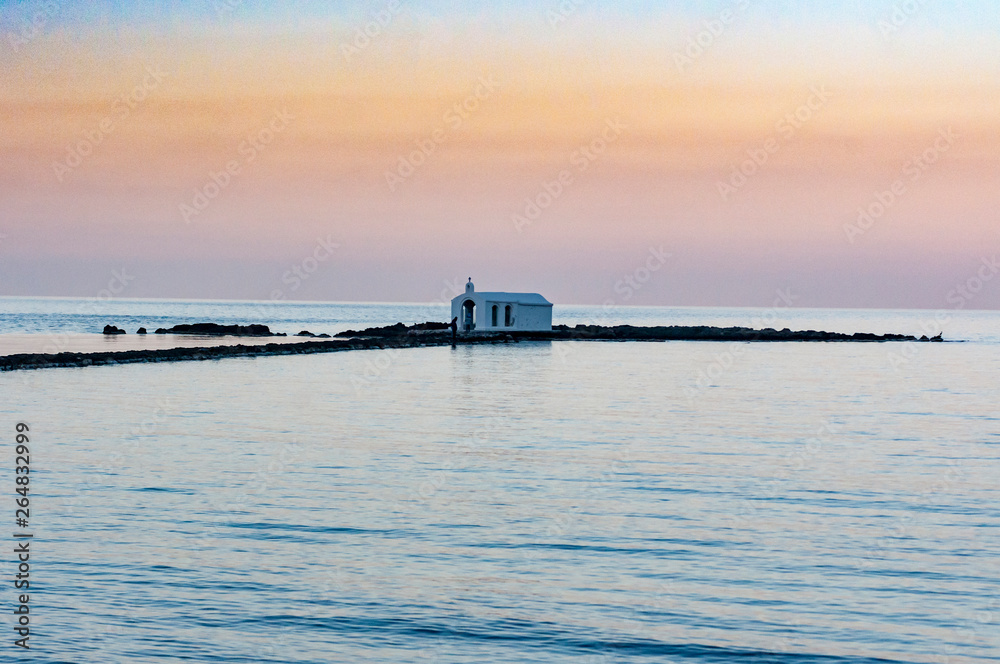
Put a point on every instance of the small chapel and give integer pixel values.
(497, 312)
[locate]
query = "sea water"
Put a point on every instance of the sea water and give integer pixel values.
(530, 502)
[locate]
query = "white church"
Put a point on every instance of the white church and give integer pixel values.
(496, 312)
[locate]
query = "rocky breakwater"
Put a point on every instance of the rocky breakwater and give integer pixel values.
(704, 333)
(395, 336)
(429, 334)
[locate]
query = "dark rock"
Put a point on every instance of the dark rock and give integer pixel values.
(141, 330)
(323, 336)
(111, 329)
(429, 325)
(305, 333)
(160, 330)
(389, 331)
(214, 329)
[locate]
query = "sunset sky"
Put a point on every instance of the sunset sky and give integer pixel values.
(216, 149)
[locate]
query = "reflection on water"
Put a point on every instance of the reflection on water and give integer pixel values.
(531, 502)
(11, 344)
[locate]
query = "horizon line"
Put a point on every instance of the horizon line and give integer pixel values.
(445, 304)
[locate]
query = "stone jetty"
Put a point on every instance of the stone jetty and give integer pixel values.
(429, 334)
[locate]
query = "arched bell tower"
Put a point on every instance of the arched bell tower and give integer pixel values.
(469, 307)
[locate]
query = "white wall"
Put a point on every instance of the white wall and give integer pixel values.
(526, 316)
(533, 317)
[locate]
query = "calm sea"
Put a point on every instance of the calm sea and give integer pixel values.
(534, 502)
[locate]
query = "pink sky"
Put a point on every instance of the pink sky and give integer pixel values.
(117, 142)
